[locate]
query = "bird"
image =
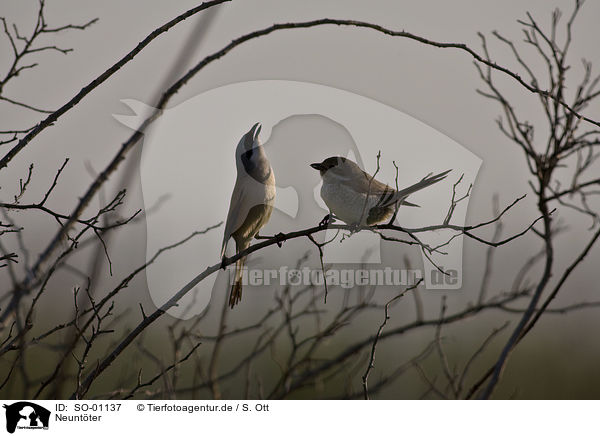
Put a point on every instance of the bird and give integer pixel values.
(357, 198)
(251, 202)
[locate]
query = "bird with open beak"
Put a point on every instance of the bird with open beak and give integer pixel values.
(251, 202)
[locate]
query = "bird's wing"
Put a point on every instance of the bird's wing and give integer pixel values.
(389, 195)
(368, 184)
(234, 216)
(364, 184)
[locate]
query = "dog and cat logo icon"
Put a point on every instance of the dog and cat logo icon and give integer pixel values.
(26, 415)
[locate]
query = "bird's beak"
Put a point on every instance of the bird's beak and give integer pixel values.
(251, 136)
(317, 166)
(255, 130)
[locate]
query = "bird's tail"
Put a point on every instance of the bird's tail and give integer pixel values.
(235, 295)
(424, 183)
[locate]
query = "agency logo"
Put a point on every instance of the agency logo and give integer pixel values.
(26, 416)
(188, 171)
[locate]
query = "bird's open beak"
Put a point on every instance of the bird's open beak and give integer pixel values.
(317, 166)
(255, 130)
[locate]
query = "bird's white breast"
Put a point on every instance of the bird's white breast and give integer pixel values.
(345, 203)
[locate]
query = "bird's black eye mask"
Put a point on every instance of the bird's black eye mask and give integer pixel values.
(332, 162)
(247, 161)
(251, 168)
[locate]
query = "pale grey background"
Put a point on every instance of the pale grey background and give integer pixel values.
(433, 85)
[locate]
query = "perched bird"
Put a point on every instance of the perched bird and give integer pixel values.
(251, 202)
(357, 198)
